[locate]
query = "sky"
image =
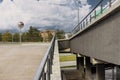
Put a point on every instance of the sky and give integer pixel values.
(43, 14)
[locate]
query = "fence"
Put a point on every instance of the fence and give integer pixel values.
(45, 68)
(99, 9)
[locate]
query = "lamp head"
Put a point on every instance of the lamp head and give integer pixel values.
(20, 25)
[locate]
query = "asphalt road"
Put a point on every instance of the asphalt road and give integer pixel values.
(20, 62)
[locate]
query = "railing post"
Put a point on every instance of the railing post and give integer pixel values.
(110, 3)
(80, 27)
(83, 24)
(95, 14)
(51, 54)
(43, 75)
(86, 21)
(48, 69)
(101, 8)
(90, 18)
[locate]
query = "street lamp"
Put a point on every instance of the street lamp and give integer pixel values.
(20, 25)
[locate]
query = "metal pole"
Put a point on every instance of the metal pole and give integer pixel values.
(95, 14)
(90, 18)
(43, 75)
(101, 6)
(20, 25)
(78, 14)
(20, 35)
(12, 38)
(78, 17)
(110, 3)
(48, 69)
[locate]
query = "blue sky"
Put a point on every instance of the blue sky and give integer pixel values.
(43, 14)
(93, 2)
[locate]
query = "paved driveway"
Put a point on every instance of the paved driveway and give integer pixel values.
(20, 62)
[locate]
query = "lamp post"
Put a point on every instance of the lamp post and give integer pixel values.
(78, 12)
(20, 25)
(12, 38)
(78, 15)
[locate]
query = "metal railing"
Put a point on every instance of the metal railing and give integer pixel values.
(45, 68)
(99, 9)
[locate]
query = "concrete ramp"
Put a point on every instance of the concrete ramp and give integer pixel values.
(20, 62)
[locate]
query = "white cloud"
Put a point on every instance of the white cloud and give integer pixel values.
(44, 13)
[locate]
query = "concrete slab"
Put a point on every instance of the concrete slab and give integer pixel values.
(20, 62)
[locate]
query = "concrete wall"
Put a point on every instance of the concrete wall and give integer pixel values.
(63, 44)
(101, 40)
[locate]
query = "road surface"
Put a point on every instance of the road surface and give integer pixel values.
(20, 62)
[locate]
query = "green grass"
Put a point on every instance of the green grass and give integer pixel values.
(68, 66)
(67, 58)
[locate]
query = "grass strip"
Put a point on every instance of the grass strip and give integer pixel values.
(68, 66)
(67, 58)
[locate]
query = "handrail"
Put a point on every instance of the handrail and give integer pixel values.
(45, 68)
(88, 19)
